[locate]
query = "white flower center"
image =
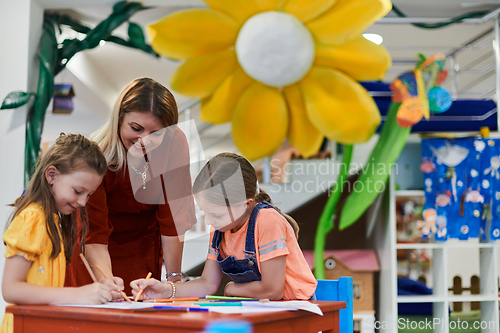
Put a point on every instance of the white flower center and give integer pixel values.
(275, 48)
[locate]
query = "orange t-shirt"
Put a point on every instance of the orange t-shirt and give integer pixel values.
(274, 237)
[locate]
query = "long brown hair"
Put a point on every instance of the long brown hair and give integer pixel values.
(69, 153)
(220, 182)
(141, 95)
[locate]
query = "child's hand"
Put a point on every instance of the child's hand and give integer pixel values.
(118, 281)
(95, 293)
(115, 289)
(227, 289)
(153, 289)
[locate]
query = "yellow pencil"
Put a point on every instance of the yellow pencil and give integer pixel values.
(140, 291)
(107, 277)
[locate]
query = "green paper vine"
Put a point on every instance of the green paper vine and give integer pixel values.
(54, 56)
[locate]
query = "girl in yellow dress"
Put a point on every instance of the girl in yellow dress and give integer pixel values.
(42, 229)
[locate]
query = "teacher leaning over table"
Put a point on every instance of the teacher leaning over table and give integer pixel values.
(143, 207)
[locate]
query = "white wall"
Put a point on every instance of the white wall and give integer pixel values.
(20, 26)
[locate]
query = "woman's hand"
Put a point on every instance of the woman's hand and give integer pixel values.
(152, 289)
(95, 293)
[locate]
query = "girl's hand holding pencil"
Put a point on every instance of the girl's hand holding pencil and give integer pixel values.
(116, 293)
(151, 289)
(95, 293)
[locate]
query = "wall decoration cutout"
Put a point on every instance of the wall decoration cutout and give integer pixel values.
(462, 190)
(62, 102)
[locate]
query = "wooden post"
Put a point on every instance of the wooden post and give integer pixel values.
(457, 290)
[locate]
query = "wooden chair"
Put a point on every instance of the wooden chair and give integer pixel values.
(338, 290)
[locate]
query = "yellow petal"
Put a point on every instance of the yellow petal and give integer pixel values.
(190, 33)
(338, 106)
(260, 121)
(301, 133)
(218, 108)
(200, 76)
(307, 10)
(266, 5)
(347, 19)
(359, 58)
(239, 10)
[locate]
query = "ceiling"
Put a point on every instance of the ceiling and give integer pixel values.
(105, 70)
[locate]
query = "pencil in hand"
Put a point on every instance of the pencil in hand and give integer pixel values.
(107, 277)
(140, 291)
(86, 263)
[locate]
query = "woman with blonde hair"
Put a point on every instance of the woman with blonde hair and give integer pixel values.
(139, 213)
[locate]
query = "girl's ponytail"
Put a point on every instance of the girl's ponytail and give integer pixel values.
(263, 196)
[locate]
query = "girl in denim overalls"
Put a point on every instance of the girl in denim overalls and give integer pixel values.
(252, 242)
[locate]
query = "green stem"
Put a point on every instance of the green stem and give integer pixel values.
(325, 224)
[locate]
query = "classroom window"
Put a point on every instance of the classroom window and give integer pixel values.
(356, 291)
(356, 326)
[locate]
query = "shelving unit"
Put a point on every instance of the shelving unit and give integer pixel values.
(385, 243)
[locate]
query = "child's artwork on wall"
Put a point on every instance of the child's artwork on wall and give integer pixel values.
(462, 187)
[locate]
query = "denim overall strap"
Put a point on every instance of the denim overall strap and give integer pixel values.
(241, 270)
(216, 240)
(250, 241)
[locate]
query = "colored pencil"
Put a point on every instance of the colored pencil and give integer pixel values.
(228, 298)
(140, 291)
(181, 299)
(178, 307)
(107, 277)
(219, 304)
(232, 300)
(86, 263)
(162, 309)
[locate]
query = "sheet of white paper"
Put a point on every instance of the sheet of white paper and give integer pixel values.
(299, 305)
(115, 305)
(247, 307)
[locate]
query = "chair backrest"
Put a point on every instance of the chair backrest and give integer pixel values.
(338, 290)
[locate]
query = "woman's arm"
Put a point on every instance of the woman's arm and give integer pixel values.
(207, 284)
(16, 290)
(172, 255)
(272, 285)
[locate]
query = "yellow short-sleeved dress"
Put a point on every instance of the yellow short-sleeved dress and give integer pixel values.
(27, 236)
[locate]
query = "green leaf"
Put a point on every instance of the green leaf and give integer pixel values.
(119, 6)
(136, 35)
(375, 173)
(15, 99)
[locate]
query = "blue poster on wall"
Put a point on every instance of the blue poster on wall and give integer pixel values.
(461, 185)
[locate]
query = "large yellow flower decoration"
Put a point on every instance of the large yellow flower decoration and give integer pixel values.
(278, 69)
